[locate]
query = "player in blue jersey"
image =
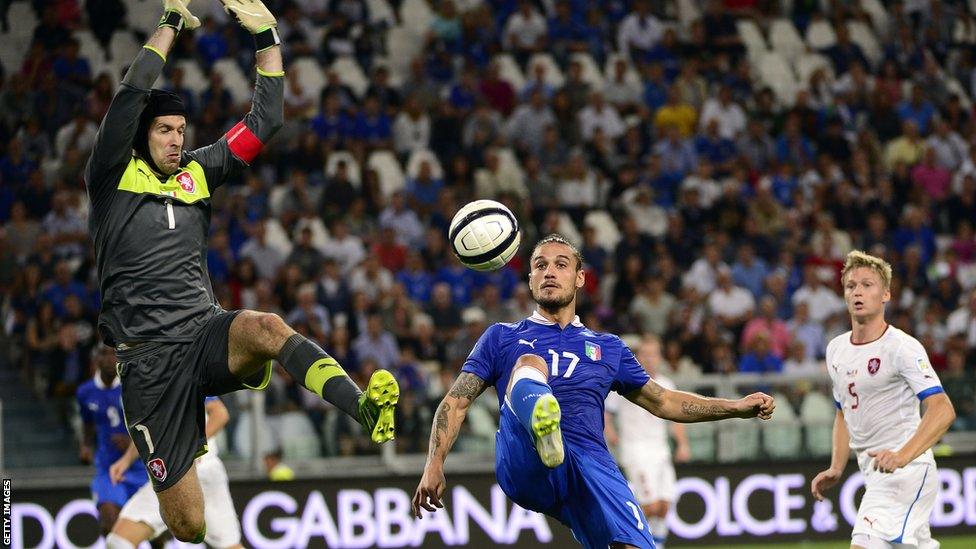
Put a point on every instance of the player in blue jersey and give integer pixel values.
(552, 375)
(106, 438)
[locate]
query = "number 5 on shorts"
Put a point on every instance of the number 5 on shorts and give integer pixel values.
(145, 432)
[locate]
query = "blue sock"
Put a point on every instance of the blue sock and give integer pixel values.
(523, 396)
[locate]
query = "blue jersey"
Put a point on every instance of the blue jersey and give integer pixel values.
(584, 366)
(101, 405)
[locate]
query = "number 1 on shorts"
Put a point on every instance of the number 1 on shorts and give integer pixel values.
(145, 432)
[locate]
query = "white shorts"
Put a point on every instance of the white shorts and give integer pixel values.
(651, 479)
(223, 527)
(896, 506)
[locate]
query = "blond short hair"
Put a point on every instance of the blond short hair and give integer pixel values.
(857, 259)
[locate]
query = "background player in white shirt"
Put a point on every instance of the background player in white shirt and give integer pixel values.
(879, 375)
(140, 519)
(642, 445)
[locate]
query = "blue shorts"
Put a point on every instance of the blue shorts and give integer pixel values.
(105, 492)
(587, 492)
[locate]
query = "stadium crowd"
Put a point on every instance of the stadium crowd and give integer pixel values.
(712, 205)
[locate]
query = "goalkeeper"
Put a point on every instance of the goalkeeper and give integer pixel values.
(150, 215)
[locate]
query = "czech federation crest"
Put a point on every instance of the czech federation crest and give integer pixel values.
(157, 469)
(592, 351)
(874, 365)
(186, 182)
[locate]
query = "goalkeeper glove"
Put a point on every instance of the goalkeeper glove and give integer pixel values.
(253, 15)
(178, 16)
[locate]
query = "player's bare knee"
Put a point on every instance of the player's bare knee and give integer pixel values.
(186, 528)
(531, 361)
(273, 329)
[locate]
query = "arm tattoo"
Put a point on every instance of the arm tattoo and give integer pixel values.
(467, 386)
(439, 435)
(701, 410)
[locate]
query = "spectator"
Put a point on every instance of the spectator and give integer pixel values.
(371, 279)
(496, 178)
(599, 114)
(731, 118)
(530, 122)
(639, 32)
(345, 249)
(759, 359)
(266, 257)
(732, 305)
(620, 90)
(404, 221)
(310, 313)
(962, 321)
(820, 300)
(653, 307)
(525, 32)
(411, 129)
(768, 325)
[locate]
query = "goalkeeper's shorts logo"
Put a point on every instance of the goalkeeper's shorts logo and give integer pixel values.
(158, 469)
(186, 182)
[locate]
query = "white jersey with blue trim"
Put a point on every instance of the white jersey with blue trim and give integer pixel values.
(879, 385)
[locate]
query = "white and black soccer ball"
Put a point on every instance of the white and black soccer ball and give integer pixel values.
(484, 235)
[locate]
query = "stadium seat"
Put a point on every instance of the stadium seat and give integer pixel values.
(355, 172)
(508, 161)
(751, 37)
(142, 19)
(380, 13)
(509, 71)
(738, 440)
(863, 36)
(15, 49)
(416, 16)
(388, 170)
(782, 434)
(277, 237)
(320, 235)
(777, 74)
(88, 47)
(820, 34)
(631, 76)
(234, 80)
(955, 87)
(688, 12)
(554, 75)
(193, 77)
(402, 46)
(878, 14)
(785, 40)
(567, 228)
(701, 439)
(607, 234)
(351, 74)
(297, 435)
(124, 48)
(817, 413)
(244, 438)
(310, 75)
(591, 72)
(418, 156)
(808, 63)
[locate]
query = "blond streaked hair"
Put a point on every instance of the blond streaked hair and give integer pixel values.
(857, 259)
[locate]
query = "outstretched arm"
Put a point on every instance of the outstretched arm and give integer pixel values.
(447, 423)
(113, 143)
(239, 146)
(690, 408)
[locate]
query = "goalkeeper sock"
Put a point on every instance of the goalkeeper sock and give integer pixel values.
(320, 373)
(528, 386)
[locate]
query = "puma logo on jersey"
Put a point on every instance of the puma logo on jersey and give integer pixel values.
(529, 343)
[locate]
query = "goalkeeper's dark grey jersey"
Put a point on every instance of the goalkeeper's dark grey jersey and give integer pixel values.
(150, 235)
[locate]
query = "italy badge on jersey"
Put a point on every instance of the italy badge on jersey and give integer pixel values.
(592, 351)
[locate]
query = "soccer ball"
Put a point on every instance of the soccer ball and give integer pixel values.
(484, 235)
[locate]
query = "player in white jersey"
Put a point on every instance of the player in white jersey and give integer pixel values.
(642, 445)
(880, 374)
(140, 519)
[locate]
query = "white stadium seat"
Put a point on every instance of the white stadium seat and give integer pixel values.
(863, 36)
(351, 74)
(297, 435)
(380, 13)
(193, 77)
(738, 440)
(878, 14)
(688, 12)
(554, 76)
(784, 39)
(607, 233)
(355, 172)
(782, 434)
(776, 73)
(817, 413)
(277, 237)
(509, 71)
(388, 170)
(631, 76)
(591, 72)
(820, 34)
(234, 80)
(418, 156)
(124, 48)
(320, 235)
(402, 45)
(701, 439)
(808, 64)
(416, 16)
(751, 36)
(310, 76)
